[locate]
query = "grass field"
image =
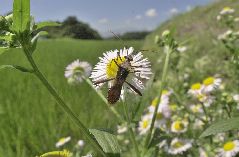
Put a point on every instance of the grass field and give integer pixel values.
(31, 121)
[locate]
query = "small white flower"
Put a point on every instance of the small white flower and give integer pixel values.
(63, 141)
(211, 83)
(196, 108)
(182, 49)
(179, 126)
(220, 137)
(236, 98)
(178, 146)
(207, 100)
(219, 17)
(227, 10)
(106, 69)
(236, 19)
(144, 124)
(196, 89)
(81, 143)
(229, 149)
(198, 124)
(165, 33)
(77, 70)
(225, 35)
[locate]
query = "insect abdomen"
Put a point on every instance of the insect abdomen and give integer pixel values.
(114, 93)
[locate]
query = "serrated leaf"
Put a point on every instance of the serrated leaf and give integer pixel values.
(47, 24)
(17, 67)
(21, 15)
(107, 141)
(221, 126)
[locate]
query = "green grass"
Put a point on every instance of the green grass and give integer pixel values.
(30, 120)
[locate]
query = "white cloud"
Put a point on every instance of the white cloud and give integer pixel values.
(173, 11)
(138, 17)
(103, 20)
(151, 12)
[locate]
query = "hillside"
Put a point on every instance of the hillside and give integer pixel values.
(198, 30)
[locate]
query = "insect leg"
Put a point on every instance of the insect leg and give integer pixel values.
(134, 88)
(118, 54)
(116, 63)
(103, 81)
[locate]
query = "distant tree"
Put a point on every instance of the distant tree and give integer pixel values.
(73, 28)
(135, 35)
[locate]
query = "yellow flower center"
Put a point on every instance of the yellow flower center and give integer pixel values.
(229, 146)
(196, 86)
(112, 68)
(164, 92)
(208, 81)
(226, 8)
(155, 101)
(62, 140)
(145, 124)
(177, 144)
(178, 126)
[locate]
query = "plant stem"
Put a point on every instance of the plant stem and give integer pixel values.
(60, 101)
(131, 132)
(168, 51)
(99, 93)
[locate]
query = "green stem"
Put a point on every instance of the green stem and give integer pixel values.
(131, 132)
(99, 93)
(162, 86)
(60, 101)
(205, 112)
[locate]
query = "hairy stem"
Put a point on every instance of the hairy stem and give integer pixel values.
(168, 51)
(60, 101)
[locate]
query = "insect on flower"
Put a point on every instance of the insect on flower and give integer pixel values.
(116, 67)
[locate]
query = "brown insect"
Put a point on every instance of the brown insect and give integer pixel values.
(123, 71)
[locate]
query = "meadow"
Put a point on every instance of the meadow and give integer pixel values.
(194, 83)
(32, 121)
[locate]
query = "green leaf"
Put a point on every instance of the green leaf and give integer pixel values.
(3, 49)
(158, 137)
(107, 141)
(21, 15)
(47, 24)
(17, 67)
(221, 126)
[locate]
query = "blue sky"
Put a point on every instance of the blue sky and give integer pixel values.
(104, 15)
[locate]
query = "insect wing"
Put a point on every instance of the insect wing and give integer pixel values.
(114, 93)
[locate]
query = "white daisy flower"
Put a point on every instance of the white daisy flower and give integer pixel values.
(236, 98)
(225, 35)
(227, 10)
(179, 126)
(145, 123)
(207, 100)
(195, 89)
(211, 83)
(63, 141)
(77, 70)
(198, 124)
(107, 68)
(229, 149)
(178, 146)
(81, 143)
(196, 108)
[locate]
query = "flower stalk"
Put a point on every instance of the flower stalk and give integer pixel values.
(168, 51)
(27, 50)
